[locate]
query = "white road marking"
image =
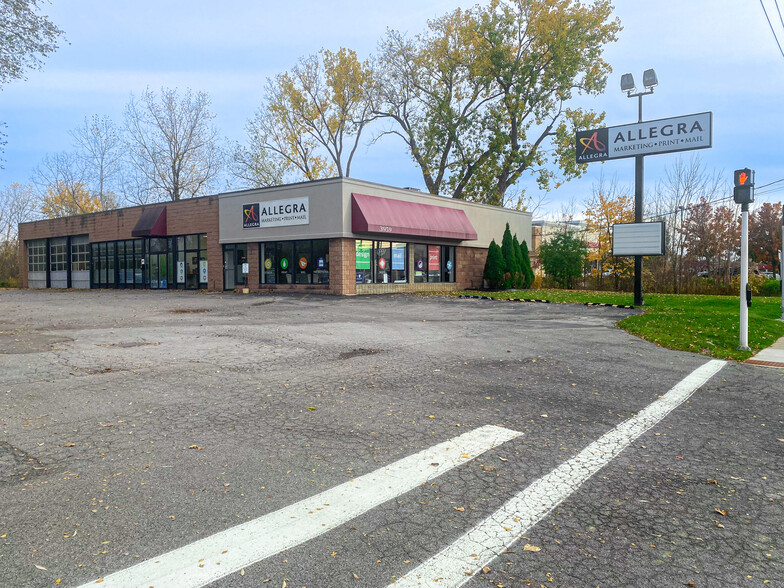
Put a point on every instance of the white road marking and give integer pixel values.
(455, 564)
(221, 554)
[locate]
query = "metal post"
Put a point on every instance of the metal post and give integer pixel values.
(744, 277)
(639, 175)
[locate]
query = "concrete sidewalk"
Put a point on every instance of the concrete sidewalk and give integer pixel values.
(772, 356)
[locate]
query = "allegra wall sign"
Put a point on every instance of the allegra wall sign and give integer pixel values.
(681, 133)
(276, 213)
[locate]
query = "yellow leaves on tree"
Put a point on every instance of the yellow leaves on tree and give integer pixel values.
(69, 200)
(605, 209)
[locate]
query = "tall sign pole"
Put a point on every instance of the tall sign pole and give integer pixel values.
(744, 195)
(639, 176)
(669, 135)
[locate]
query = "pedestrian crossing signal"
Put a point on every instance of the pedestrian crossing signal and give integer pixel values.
(743, 178)
(744, 186)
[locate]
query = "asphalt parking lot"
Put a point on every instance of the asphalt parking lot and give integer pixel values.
(148, 427)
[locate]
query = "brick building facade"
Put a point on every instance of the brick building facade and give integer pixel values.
(338, 236)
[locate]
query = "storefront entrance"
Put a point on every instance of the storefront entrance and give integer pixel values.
(159, 271)
(234, 256)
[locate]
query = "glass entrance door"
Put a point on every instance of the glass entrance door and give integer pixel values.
(234, 258)
(159, 271)
(229, 268)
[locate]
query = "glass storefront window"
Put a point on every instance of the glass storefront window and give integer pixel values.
(294, 262)
(434, 263)
(381, 262)
(269, 263)
(420, 263)
(303, 268)
(398, 263)
(363, 261)
(321, 261)
(285, 271)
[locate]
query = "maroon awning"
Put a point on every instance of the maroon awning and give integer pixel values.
(371, 214)
(152, 223)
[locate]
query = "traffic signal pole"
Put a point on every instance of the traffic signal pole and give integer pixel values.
(744, 278)
(743, 194)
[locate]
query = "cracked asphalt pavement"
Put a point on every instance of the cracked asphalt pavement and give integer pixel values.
(135, 423)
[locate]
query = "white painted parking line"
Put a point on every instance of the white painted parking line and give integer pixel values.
(219, 555)
(455, 565)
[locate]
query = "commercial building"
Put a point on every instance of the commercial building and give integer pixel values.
(336, 236)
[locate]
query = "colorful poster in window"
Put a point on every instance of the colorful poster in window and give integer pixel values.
(303, 263)
(382, 263)
(202, 271)
(433, 258)
(363, 255)
(180, 272)
(321, 263)
(449, 265)
(398, 256)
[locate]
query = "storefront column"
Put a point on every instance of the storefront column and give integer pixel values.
(342, 266)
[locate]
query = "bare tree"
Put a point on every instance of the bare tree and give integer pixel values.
(172, 142)
(18, 204)
(685, 182)
(100, 143)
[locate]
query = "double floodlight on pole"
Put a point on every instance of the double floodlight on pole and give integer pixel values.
(649, 81)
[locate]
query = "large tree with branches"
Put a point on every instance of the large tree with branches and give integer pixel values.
(482, 97)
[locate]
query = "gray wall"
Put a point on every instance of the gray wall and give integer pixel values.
(330, 213)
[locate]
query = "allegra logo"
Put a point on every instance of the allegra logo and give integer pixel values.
(250, 214)
(593, 143)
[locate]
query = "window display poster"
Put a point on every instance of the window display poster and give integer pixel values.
(433, 258)
(180, 272)
(203, 271)
(398, 256)
(363, 255)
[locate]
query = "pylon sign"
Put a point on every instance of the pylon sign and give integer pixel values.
(667, 135)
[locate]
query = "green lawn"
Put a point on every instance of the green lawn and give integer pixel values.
(702, 324)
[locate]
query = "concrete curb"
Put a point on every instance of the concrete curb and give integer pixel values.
(545, 301)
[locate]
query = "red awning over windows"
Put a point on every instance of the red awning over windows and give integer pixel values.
(371, 214)
(152, 223)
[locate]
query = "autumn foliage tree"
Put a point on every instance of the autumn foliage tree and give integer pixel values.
(69, 200)
(482, 97)
(310, 124)
(711, 237)
(765, 234)
(607, 207)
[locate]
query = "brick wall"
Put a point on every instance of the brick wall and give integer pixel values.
(470, 267)
(195, 215)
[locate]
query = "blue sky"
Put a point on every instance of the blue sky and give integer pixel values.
(710, 55)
